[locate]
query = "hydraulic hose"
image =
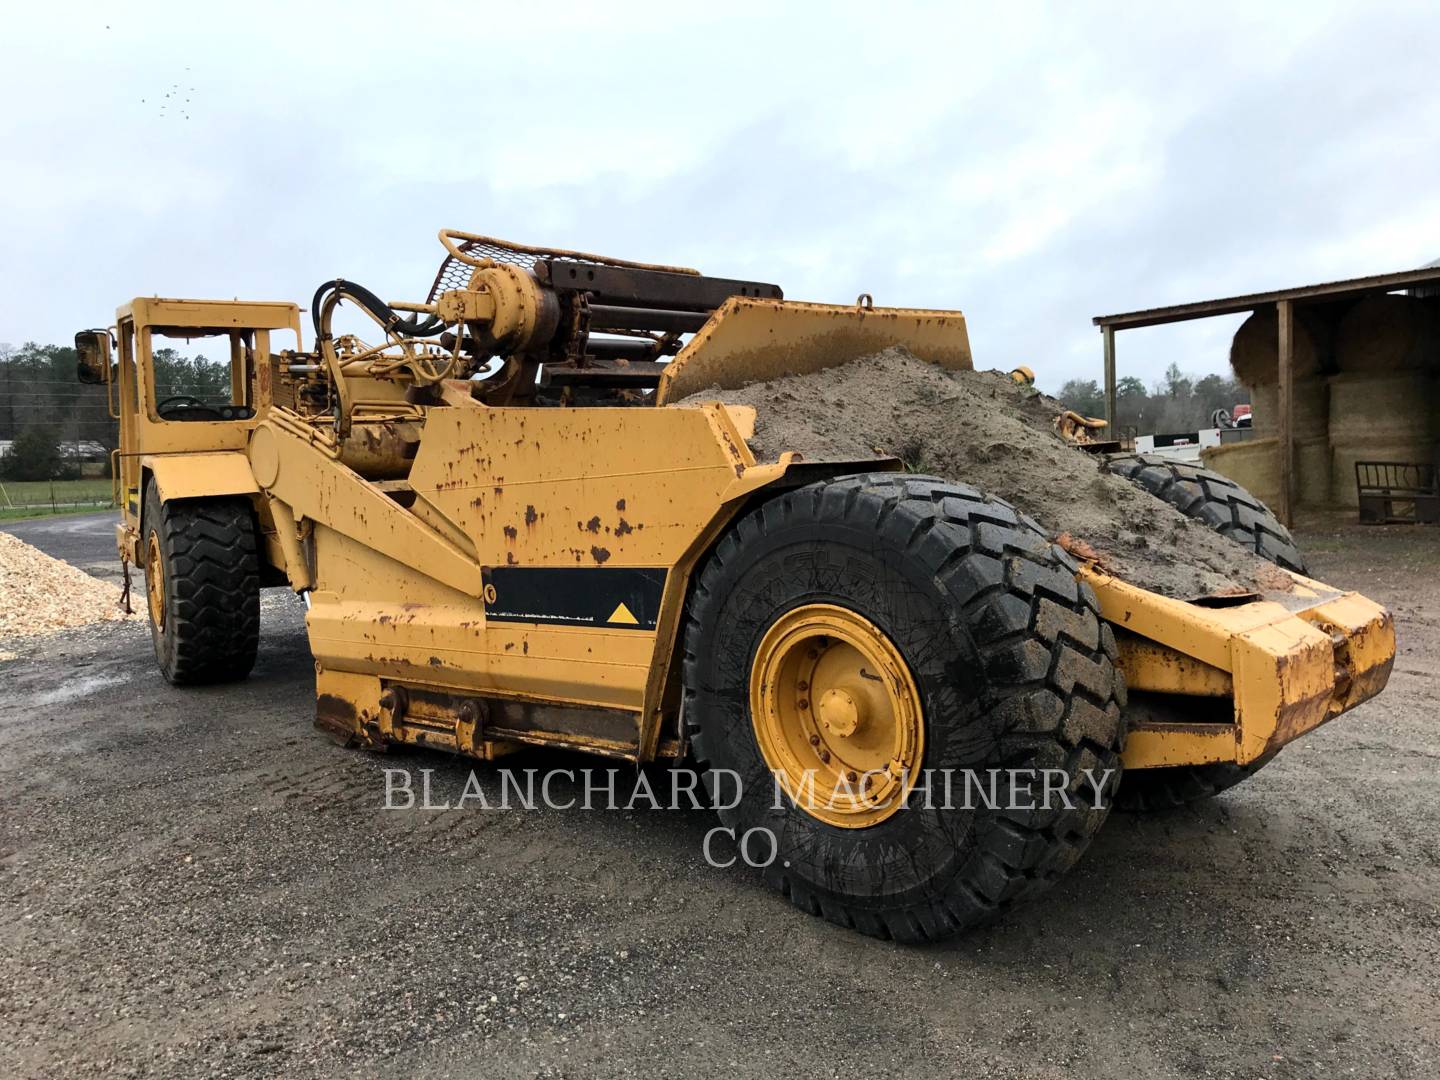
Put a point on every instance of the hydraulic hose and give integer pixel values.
(380, 311)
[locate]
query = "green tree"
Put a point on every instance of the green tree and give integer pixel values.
(1084, 396)
(1177, 385)
(196, 377)
(38, 386)
(1129, 389)
(35, 455)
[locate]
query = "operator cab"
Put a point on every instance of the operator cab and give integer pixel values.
(205, 387)
(185, 377)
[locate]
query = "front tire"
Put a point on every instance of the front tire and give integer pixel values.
(956, 611)
(202, 583)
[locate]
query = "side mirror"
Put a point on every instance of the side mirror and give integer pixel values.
(92, 350)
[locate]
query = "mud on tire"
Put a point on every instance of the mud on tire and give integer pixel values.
(210, 628)
(1213, 500)
(1014, 670)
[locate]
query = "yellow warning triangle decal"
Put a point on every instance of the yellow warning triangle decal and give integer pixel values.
(622, 614)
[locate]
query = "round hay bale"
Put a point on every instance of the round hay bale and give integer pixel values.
(1252, 464)
(1343, 457)
(1309, 401)
(1401, 406)
(1255, 465)
(1387, 333)
(1255, 350)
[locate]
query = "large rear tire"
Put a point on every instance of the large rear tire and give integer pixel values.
(892, 621)
(1226, 507)
(202, 584)
(1213, 500)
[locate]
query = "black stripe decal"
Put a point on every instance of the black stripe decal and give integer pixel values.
(618, 598)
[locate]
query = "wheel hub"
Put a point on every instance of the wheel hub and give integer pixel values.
(837, 715)
(155, 581)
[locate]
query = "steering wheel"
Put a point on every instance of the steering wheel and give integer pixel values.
(187, 404)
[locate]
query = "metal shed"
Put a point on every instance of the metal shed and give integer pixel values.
(1284, 302)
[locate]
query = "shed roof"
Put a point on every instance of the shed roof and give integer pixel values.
(1330, 290)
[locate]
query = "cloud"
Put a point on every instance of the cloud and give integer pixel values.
(1032, 165)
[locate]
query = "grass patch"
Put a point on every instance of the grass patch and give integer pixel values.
(31, 498)
(33, 512)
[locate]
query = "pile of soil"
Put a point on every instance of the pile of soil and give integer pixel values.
(981, 428)
(40, 595)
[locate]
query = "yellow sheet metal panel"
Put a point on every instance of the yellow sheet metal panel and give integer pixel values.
(251, 314)
(578, 487)
(346, 704)
(453, 646)
(1294, 661)
(298, 471)
(1364, 633)
(1178, 744)
(1204, 633)
(197, 475)
(748, 339)
(1284, 675)
(590, 492)
(1148, 665)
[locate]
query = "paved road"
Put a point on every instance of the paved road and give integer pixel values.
(83, 540)
(196, 883)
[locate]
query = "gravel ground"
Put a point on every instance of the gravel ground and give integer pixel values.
(196, 883)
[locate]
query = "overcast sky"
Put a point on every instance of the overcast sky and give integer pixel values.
(1033, 166)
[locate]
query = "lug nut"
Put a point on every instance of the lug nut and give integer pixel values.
(802, 685)
(825, 756)
(852, 776)
(814, 740)
(804, 703)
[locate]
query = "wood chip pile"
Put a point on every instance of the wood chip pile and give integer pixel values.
(40, 595)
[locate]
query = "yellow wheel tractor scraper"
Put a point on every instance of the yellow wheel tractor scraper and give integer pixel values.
(509, 531)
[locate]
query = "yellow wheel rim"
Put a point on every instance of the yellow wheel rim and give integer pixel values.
(837, 715)
(155, 581)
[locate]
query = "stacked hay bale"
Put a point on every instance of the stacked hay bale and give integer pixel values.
(1255, 359)
(1384, 402)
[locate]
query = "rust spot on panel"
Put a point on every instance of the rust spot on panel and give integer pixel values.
(600, 554)
(511, 532)
(530, 516)
(623, 527)
(525, 646)
(435, 661)
(620, 505)
(510, 559)
(593, 525)
(1079, 548)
